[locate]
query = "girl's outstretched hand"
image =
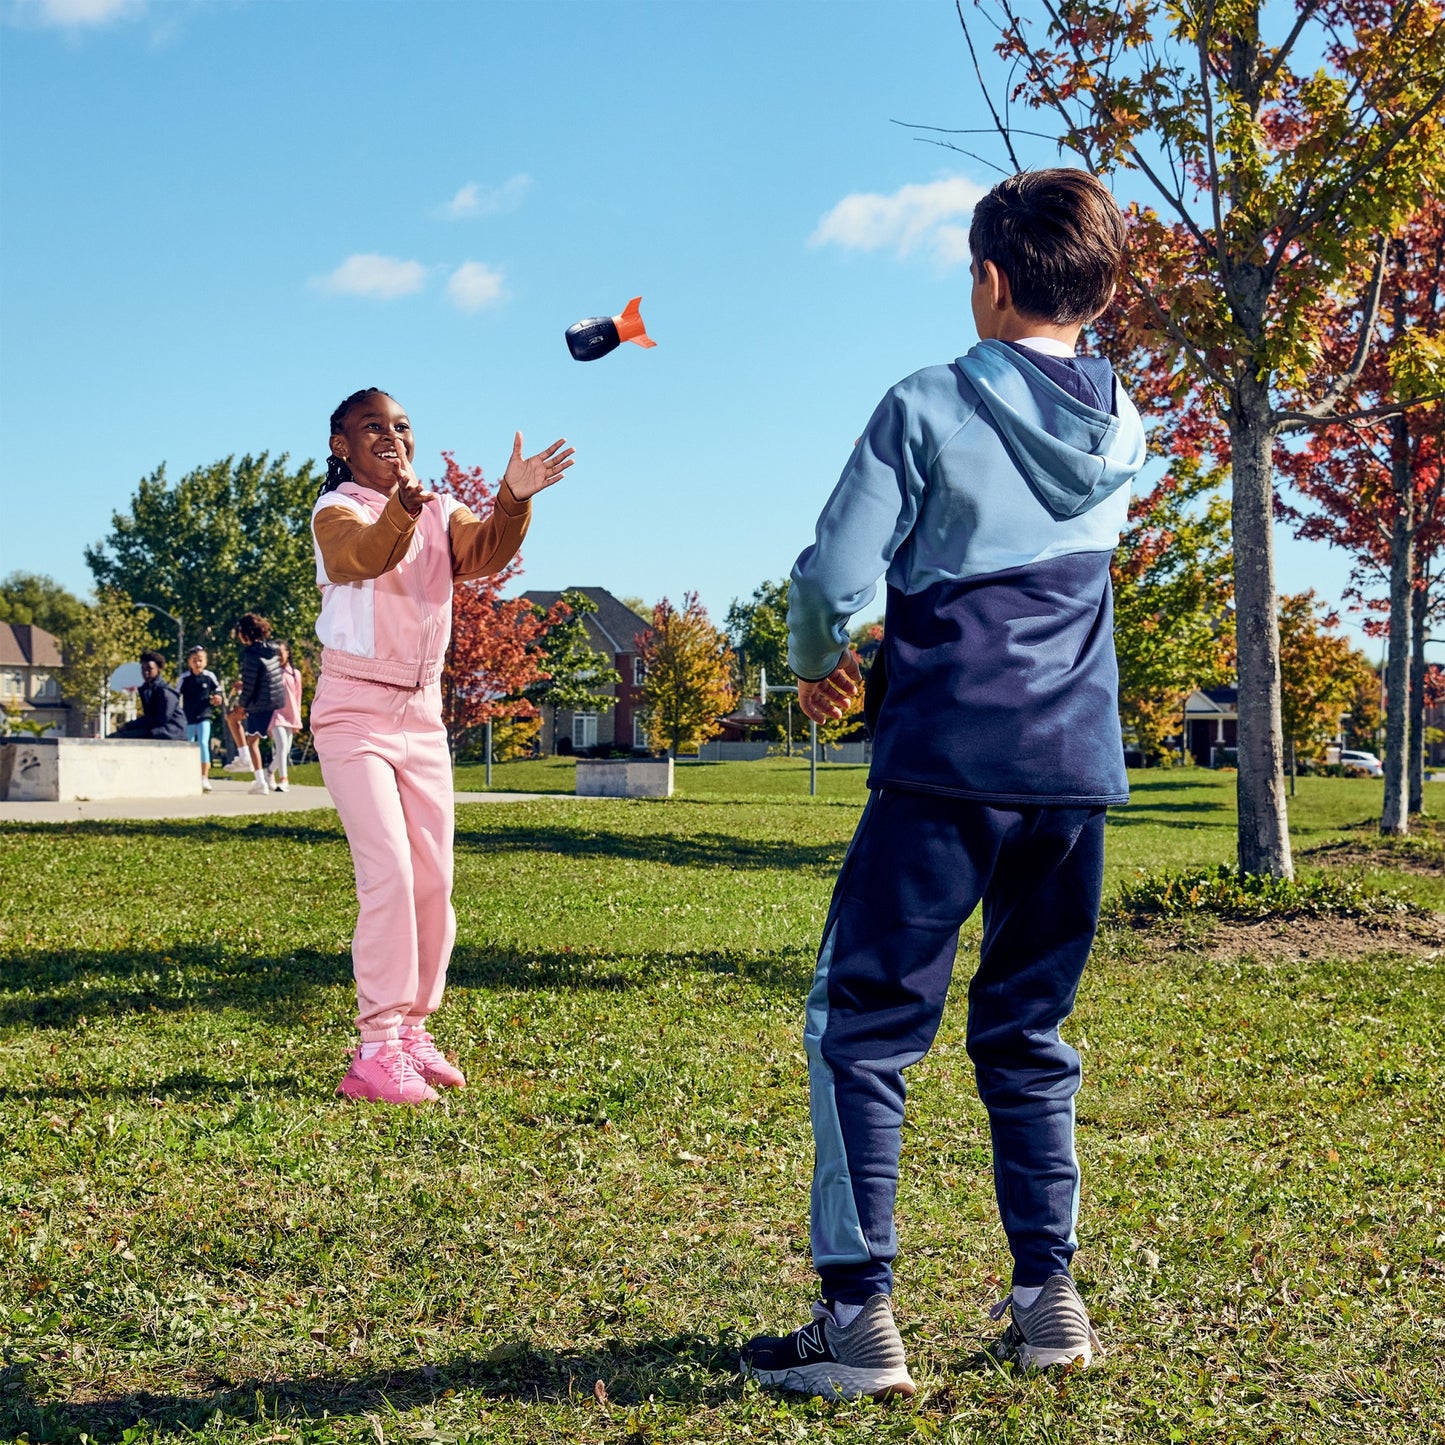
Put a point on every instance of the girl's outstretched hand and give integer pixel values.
(409, 490)
(526, 476)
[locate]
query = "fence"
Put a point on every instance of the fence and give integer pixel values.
(751, 752)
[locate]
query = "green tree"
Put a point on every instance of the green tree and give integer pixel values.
(1284, 157)
(1173, 627)
(110, 633)
(689, 682)
(576, 677)
(30, 597)
(228, 538)
(1320, 675)
(757, 632)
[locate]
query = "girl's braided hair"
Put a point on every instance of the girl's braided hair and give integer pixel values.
(337, 471)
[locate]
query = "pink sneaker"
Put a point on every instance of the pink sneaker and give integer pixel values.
(430, 1062)
(388, 1077)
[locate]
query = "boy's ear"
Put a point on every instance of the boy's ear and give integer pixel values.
(338, 444)
(1000, 293)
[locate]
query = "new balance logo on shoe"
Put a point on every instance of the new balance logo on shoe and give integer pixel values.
(810, 1342)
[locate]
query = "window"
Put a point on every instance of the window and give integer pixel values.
(584, 730)
(13, 684)
(639, 672)
(639, 731)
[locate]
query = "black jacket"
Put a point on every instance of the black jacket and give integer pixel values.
(161, 716)
(263, 688)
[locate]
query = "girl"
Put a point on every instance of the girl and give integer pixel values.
(200, 691)
(286, 722)
(261, 693)
(387, 554)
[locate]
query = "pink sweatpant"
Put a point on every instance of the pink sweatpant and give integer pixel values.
(384, 758)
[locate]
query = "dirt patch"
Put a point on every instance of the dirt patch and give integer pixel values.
(1424, 856)
(1301, 937)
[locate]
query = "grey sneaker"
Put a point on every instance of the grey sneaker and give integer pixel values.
(1054, 1330)
(834, 1361)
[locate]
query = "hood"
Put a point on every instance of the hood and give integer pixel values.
(1072, 455)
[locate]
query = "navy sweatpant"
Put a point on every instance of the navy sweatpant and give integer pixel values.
(918, 866)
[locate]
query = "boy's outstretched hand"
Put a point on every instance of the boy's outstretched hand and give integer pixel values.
(836, 695)
(526, 476)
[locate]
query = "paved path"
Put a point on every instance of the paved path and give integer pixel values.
(230, 798)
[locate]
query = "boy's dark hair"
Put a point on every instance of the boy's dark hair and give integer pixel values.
(253, 627)
(337, 471)
(1059, 238)
(154, 657)
(192, 651)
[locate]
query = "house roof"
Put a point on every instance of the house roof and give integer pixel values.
(28, 645)
(1216, 701)
(613, 627)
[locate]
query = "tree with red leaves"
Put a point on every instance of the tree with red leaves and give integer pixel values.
(493, 656)
(1284, 150)
(1375, 487)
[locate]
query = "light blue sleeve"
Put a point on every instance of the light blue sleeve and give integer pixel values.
(871, 512)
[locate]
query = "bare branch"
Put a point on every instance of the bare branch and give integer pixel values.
(988, 99)
(1297, 420)
(1306, 14)
(972, 155)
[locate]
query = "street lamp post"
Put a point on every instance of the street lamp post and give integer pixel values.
(764, 689)
(180, 636)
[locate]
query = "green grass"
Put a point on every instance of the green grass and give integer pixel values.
(197, 1238)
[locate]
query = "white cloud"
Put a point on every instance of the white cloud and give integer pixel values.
(381, 277)
(472, 200)
(916, 217)
(474, 285)
(74, 14)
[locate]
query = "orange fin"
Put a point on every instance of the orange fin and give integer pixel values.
(630, 325)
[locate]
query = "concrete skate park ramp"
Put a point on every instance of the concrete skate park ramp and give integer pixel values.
(62, 770)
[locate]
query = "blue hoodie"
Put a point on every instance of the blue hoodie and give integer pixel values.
(992, 497)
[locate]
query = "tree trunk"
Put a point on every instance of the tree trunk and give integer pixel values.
(1419, 606)
(1263, 812)
(1394, 819)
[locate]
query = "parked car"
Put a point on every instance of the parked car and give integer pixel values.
(1359, 764)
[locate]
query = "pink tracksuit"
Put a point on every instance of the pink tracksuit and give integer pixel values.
(386, 583)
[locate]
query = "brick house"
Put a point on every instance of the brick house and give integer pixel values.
(612, 630)
(30, 664)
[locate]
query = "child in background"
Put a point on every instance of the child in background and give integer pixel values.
(286, 723)
(261, 693)
(200, 691)
(991, 492)
(387, 556)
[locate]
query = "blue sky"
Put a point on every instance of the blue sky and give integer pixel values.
(218, 217)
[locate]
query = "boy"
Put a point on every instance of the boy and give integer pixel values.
(160, 717)
(992, 493)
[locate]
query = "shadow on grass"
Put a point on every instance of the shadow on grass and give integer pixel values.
(183, 1087)
(198, 831)
(688, 1369)
(56, 988)
(698, 850)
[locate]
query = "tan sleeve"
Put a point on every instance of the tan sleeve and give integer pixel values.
(480, 548)
(353, 550)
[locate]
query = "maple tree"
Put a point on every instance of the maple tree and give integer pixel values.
(1321, 673)
(689, 679)
(1375, 487)
(1284, 150)
(1173, 623)
(493, 656)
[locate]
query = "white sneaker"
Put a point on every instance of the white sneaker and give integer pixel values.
(240, 764)
(259, 786)
(282, 786)
(270, 780)
(205, 785)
